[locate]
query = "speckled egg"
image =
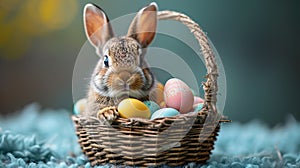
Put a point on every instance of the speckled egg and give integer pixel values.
(79, 106)
(164, 112)
(178, 95)
(152, 106)
(133, 108)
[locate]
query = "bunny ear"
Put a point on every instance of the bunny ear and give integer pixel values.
(96, 25)
(143, 26)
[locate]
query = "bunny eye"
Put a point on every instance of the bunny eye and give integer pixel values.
(106, 61)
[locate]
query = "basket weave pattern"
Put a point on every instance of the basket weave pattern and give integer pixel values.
(142, 143)
(172, 140)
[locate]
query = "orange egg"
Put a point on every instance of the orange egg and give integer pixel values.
(157, 94)
(162, 104)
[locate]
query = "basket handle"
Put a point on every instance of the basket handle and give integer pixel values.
(210, 87)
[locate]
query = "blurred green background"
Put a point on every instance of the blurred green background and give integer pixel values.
(258, 42)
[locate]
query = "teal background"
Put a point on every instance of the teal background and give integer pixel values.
(258, 42)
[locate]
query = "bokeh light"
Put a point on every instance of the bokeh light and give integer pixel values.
(23, 20)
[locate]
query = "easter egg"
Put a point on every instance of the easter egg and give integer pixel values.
(164, 112)
(157, 94)
(133, 108)
(198, 107)
(152, 106)
(79, 106)
(178, 95)
(162, 105)
(198, 100)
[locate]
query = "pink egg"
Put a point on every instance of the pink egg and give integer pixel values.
(178, 95)
(198, 100)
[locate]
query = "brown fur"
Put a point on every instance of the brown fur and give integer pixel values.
(123, 51)
(95, 102)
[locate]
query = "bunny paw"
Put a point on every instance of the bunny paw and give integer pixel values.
(108, 114)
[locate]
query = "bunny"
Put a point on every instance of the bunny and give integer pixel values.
(121, 71)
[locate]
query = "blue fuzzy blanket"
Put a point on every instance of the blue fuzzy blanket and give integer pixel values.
(47, 139)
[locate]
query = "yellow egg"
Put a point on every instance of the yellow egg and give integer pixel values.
(162, 104)
(133, 108)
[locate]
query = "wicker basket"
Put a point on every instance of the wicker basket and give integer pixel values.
(172, 141)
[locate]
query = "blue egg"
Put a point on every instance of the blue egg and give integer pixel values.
(79, 106)
(198, 107)
(76, 110)
(152, 106)
(164, 112)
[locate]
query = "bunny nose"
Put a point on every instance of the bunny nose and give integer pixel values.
(124, 75)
